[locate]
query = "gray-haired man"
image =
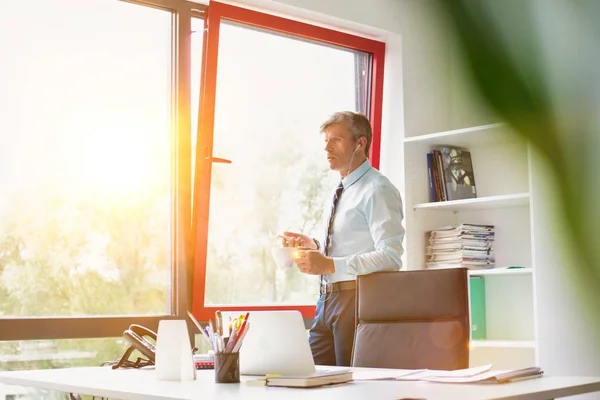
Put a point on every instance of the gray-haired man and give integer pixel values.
(364, 235)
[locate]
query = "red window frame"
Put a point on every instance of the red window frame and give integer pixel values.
(215, 13)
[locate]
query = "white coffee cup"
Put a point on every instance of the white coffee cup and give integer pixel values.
(283, 256)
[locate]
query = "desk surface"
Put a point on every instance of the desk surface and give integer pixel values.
(142, 384)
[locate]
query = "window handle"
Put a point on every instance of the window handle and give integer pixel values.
(219, 160)
(213, 159)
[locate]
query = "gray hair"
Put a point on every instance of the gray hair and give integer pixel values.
(357, 124)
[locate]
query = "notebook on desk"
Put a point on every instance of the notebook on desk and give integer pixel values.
(277, 344)
(319, 378)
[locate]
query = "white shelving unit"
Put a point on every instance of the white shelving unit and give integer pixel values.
(501, 271)
(501, 166)
(523, 344)
(480, 203)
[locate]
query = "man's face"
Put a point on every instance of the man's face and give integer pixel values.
(339, 147)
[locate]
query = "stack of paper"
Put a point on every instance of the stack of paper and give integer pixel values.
(384, 374)
(482, 374)
(490, 376)
(466, 245)
(458, 373)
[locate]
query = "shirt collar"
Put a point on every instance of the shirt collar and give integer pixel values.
(355, 175)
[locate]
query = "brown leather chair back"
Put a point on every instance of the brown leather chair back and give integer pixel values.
(412, 320)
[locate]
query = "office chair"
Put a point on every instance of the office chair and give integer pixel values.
(412, 320)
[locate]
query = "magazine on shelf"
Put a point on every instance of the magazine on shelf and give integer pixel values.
(450, 174)
(457, 170)
(465, 245)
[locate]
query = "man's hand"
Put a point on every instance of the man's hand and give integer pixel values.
(293, 239)
(313, 262)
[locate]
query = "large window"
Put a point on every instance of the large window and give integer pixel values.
(111, 111)
(274, 84)
(95, 165)
(85, 160)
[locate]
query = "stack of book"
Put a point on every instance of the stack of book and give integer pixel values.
(466, 245)
(451, 175)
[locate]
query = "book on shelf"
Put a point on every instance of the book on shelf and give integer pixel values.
(319, 378)
(465, 245)
(450, 174)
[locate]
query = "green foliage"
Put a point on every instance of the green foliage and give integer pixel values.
(240, 268)
(84, 256)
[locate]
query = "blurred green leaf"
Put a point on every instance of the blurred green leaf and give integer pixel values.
(519, 94)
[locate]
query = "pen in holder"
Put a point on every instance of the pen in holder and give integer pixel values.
(227, 356)
(227, 367)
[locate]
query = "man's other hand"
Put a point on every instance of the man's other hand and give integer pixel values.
(312, 262)
(293, 239)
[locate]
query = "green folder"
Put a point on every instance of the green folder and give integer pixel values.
(478, 325)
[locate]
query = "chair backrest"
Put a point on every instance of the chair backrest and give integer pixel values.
(412, 320)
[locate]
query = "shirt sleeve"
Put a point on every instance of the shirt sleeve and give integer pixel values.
(383, 210)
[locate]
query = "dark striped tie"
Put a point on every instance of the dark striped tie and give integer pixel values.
(334, 203)
(327, 246)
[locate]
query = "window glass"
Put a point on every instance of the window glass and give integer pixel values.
(196, 59)
(85, 158)
(273, 93)
(47, 354)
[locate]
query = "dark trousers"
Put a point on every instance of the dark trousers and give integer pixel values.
(332, 335)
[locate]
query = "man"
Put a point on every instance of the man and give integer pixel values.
(364, 235)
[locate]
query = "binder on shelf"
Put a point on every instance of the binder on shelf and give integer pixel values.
(478, 323)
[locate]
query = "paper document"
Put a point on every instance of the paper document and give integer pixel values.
(384, 374)
(482, 374)
(457, 373)
(490, 376)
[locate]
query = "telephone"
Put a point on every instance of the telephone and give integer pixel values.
(135, 336)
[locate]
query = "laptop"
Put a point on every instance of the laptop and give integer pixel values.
(277, 343)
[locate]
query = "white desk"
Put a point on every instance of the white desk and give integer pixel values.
(141, 384)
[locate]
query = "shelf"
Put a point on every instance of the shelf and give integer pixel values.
(479, 203)
(467, 137)
(501, 271)
(515, 344)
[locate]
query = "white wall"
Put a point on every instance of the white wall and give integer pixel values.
(384, 14)
(567, 305)
(424, 51)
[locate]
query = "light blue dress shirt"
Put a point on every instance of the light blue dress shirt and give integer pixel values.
(367, 228)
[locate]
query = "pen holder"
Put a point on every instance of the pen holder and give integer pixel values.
(227, 367)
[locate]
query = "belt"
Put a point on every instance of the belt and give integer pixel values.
(337, 286)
